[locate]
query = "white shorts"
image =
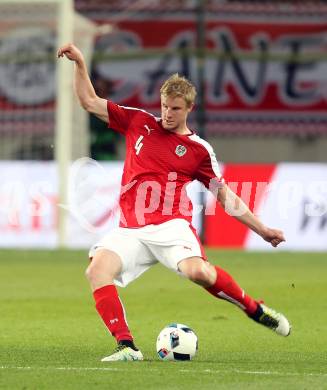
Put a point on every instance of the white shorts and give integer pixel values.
(140, 248)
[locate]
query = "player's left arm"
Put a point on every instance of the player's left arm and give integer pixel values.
(234, 206)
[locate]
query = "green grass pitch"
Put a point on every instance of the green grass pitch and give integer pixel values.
(51, 337)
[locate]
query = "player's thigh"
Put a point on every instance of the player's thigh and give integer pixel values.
(175, 241)
(134, 255)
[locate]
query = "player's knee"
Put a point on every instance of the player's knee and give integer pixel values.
(91, 272)
(105, 266)
(198, 274)
(98, 275)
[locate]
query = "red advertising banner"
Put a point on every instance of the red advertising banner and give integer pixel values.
(255, 71)
(261, 74)
(289, 197)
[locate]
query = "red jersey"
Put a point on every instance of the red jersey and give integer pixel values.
(158, 167)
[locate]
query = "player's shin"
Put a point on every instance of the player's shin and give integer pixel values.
(226, 288)
(111, 310)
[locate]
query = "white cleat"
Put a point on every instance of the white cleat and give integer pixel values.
(272, 319)
(123, 353)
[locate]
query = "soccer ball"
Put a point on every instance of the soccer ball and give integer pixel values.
(177, 342)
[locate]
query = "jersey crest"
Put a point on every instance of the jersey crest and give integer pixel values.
(180, 150)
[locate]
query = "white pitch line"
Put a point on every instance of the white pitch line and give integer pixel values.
(205, 371)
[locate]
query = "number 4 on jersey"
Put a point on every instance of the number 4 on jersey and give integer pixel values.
(139, 144)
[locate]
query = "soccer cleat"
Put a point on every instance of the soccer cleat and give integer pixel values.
(271, 319)
(123, 353)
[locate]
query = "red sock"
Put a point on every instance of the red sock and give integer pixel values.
(226, 288)
(111, 310)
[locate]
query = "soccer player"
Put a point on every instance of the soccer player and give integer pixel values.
(163, 155)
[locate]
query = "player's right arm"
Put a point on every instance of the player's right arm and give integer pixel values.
(84, 90)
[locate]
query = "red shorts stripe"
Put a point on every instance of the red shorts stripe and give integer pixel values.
(203, 254)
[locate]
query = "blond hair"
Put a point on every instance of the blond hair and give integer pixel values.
(179, 86)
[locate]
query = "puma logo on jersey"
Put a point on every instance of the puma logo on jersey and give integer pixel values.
(148, 129)
(180, 150)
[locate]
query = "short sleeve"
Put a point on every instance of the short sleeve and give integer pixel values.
(208, 171)
(120, 117)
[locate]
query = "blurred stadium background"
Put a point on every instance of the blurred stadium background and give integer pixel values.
(261, 71)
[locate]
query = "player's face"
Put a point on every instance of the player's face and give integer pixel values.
(174, 112)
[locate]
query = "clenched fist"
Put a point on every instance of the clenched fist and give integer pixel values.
(71, 52)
